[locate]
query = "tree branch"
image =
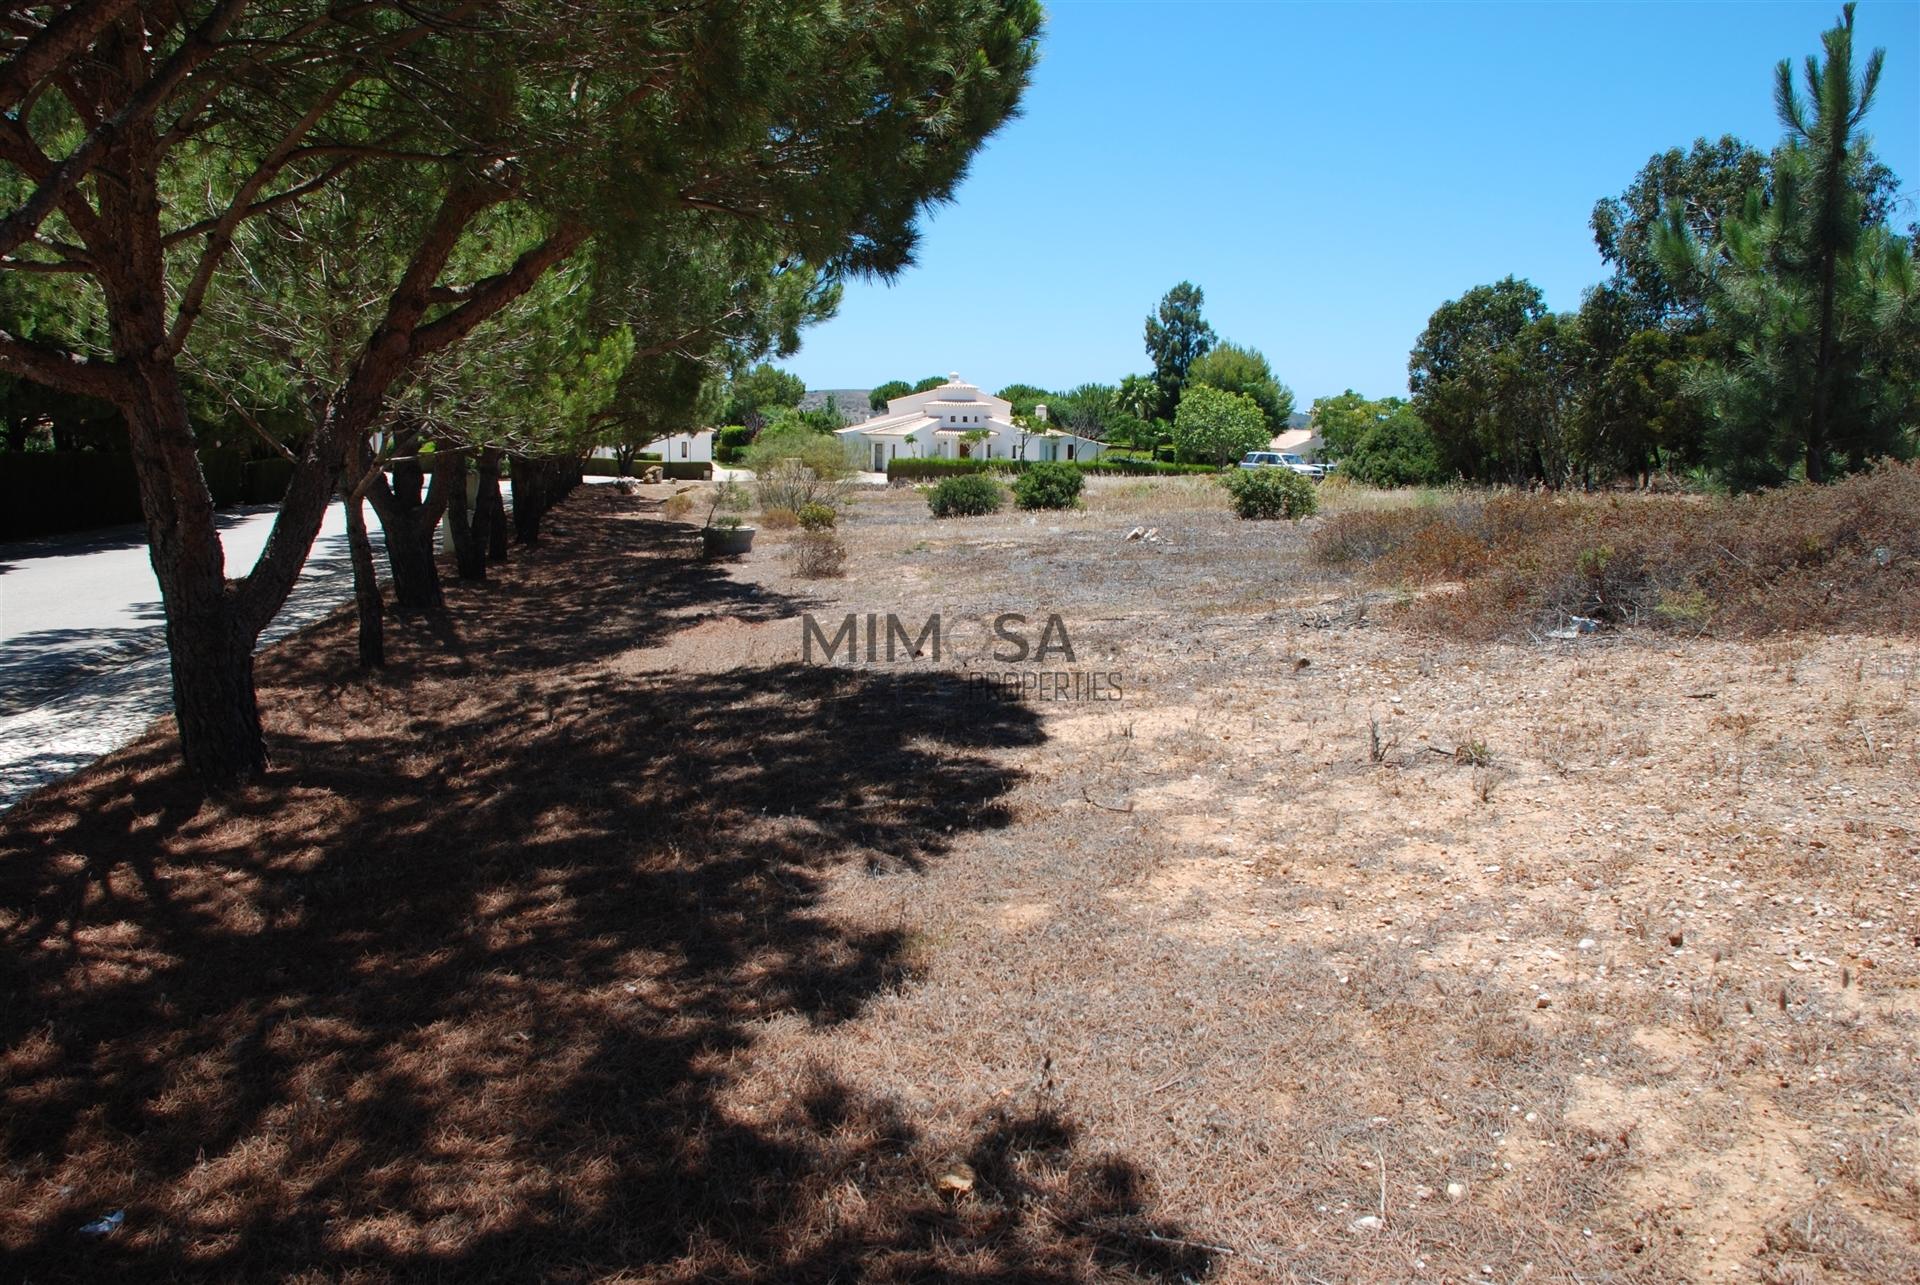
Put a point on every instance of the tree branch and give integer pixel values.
(57, 368)
(487, 297)
(52, 190)
(44, 51)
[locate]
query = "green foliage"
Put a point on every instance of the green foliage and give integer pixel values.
(1492, 378)
(758, 395)
(877, 399)
(1234, 369)
(930, 383)
(824, 419)
(1217, 427)
(1025, 397)
(1708, 182)
(730, 444)
(1269, 493)
(1048, 486)
(1818, 302)
(967, 496)
(1177, 336)
(1139, 397)
(1396, 450)
(1342, 420)
(1087, 410)
(818, 517)
(823, 453)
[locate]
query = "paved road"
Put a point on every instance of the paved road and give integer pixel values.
(83, 661)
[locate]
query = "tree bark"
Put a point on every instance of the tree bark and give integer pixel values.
(491, 510)
(366, 584)
(469, 547)
(407, 523)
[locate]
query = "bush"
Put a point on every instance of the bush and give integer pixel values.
(779, 519)
(730, 443)
(970, 496)
(819, 555)
(1216, 427)
(1397, 451)
(823, 453)
(677, 506)
(686, 470)
(791, 484)
(1271, 493)
(1048, 486)
(818, 517)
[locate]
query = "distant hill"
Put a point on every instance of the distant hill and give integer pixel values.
(850, 402)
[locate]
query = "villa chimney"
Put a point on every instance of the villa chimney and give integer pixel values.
(1040, 412)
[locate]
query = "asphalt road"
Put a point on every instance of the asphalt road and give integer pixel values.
(83, 661)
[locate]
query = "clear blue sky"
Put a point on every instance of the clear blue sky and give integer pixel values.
(1328, 174)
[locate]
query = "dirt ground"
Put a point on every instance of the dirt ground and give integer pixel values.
(609, 935)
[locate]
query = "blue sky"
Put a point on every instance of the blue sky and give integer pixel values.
(1328, 174)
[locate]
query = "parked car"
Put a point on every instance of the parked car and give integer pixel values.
(1282, 459)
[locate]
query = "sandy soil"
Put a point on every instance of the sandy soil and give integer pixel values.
(1328, 951)
(1586, 959)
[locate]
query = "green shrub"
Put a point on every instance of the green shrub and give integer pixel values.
(969, 496)
(1048, 486)
(916, 470)
(1271, 493)
(730, 443)
(686, 470)
(822, 453)
(1218, 427)
(818, 517)
(1397, 451)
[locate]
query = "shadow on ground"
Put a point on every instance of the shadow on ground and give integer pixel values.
(468, 987)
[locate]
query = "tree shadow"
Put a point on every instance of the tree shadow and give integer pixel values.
(471, 986)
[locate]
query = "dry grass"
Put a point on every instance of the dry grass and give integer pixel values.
(1841, 556)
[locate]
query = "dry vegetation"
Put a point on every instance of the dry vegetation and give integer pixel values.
(602, 938)
(1806, 558)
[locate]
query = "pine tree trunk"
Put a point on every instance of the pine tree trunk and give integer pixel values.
(469, 555)
(404, 520)
(494, 505)
(366, 586)
(529, 499)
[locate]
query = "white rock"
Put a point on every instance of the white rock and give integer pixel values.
(1456, 1191)
(1366, 1223)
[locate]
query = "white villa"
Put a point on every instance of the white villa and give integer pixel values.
(683, 447)
(958, 421)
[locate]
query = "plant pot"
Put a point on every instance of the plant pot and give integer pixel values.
(726, 542)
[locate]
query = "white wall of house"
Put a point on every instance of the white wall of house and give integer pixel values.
(935, 425)
(683, 447)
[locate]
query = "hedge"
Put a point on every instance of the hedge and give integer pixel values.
(916, 470)
(267, 480)
(42, 492)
